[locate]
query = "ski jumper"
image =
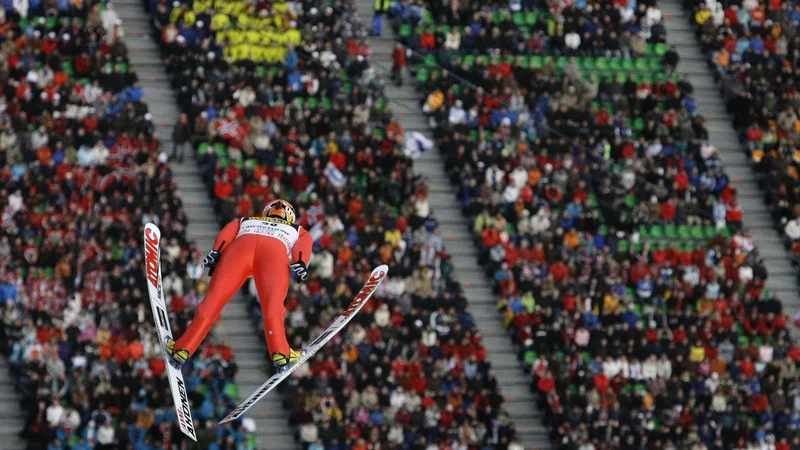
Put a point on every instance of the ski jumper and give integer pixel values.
(258, 247)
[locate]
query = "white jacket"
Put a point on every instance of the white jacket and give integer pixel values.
(650, 369)
(664, 368)
(105, 434)
(324, 264)
(792, 229)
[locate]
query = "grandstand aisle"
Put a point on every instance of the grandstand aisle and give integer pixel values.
(514, 382)
(272, 431)
(782, 276)
(11, 418)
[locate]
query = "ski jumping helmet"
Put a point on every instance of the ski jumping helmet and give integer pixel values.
(279, 209)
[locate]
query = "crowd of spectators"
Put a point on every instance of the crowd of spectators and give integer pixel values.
(304, 119)
(753, 48)
(608, 224)
(81, 172)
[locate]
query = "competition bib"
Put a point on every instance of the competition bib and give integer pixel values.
(275, 228)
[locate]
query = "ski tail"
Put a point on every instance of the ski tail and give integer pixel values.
(152, 258)
(375, 279)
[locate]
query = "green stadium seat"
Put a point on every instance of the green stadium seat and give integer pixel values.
(671, 231)
(684, 233)
(644, 232)
(221, 150)
(529, 357)
(657, 231)
(423, 75)
(628, 64)
(655, 64)
(430, 61)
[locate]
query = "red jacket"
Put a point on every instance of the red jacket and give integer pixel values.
(399, 57)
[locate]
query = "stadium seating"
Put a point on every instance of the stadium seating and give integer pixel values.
(313, 127)
(82, 173)
(752, 59)
(610, 229)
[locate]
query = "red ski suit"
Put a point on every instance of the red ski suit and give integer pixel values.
(257, 247)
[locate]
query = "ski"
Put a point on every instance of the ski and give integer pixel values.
(375, 279)
(152, 258)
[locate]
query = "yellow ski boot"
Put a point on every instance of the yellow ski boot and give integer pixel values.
(282, 362)
(179, 357)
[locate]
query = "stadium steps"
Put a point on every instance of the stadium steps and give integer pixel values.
(782, 277)
(12, 418)
(235, 327)
(513, 380)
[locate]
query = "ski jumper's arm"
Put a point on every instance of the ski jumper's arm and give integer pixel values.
(227, 235)
(302, 247)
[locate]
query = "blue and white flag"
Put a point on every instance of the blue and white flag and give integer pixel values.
(416, 143)
(335, 176)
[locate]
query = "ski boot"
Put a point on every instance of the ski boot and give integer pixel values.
(178, 357)
(283, 362)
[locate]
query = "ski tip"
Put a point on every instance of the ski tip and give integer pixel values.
(382, 268)
(225, 420)
(152, 228)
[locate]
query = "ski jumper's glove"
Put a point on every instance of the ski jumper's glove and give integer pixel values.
(299, 268)
(210, 261)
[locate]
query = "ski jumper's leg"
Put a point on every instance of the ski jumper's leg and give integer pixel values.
(234, 267)
(271, 275)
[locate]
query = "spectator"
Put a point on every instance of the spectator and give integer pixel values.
(181, 137)
(670, 59)
(380, 8)
(398, 63)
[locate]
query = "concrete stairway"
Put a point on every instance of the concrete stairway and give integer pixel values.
(513, 380)
(12, 418)
(782, 276)
(272, 421)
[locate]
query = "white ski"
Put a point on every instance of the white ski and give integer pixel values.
(375, 279)
(152, 259)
